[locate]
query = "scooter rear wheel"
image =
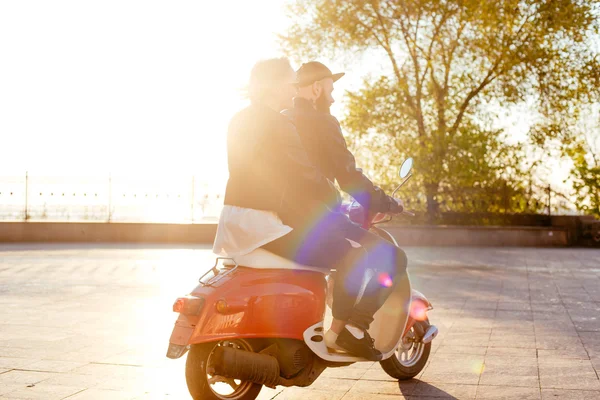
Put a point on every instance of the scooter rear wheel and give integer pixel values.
(409, 359)
(202, 385)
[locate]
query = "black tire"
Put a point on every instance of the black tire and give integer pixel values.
(197, 378)
(394, 368)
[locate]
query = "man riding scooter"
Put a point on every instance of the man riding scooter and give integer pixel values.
(276, 199)
(322, 138)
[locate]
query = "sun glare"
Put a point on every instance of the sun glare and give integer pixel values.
(127, 87)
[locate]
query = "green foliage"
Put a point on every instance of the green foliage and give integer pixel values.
(445, 61)
(582, 146)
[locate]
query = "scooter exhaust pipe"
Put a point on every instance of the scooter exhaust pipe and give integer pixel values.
(246, 366)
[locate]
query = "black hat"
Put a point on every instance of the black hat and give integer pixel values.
(314, 71)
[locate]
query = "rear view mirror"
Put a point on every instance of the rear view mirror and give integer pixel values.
(406, 167)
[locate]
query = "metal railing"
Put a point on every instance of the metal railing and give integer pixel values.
(503, 200)
(186, 199)
(174, 199)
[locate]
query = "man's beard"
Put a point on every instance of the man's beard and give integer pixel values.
(322, 104)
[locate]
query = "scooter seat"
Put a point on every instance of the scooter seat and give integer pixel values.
(263, 259)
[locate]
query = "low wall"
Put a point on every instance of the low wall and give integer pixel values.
(102, 232)
(481, 236)
(408, 235)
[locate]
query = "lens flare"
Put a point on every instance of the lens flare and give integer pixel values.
(385, 280)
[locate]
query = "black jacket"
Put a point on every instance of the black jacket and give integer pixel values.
(270, 170)
(322, 138)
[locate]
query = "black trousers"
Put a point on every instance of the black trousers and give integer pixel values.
(324, 245)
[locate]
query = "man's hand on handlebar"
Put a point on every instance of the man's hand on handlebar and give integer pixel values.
(396, 206)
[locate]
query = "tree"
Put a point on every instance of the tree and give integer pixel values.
(583, 148)
(447, 60)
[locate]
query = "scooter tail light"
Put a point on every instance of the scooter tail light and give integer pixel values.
(418, 310)
(178, 305)
(188, 305)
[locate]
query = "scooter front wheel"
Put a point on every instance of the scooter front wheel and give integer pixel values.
(410, 357)
(203, 385)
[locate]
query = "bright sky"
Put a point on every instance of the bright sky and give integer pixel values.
(131, 86)
(126, 86)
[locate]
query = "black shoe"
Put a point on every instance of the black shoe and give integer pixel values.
(359, 347)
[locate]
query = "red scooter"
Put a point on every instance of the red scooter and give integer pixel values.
(260, 320)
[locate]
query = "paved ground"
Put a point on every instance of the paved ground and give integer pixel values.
(88, 323)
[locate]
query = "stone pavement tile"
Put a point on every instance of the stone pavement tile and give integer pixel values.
(510, 371)
(461, 330)
(463, 339)
(554, 328)
(474, 322)
(85, 355)
(514, 306)
(515, 316)
(107, 370)
(53, 366)
(507, 393)
(161, 396)
(13, 362)
(70, 379)
(544, 309)
(579, 353)
(511, 351)
(451, 349)
(591, 340)
(129, 383)
(31, 353)
(583, 309)
(575, 298)
(587, 324)
(138, 357)
(546, 297)
(361, 396)
(484, 305)
(523, 328)
(547, 317)
(596, 363)
(325, 383)
(556, 394)
(376, 373)
(362, 365)
(10, 352)
(294, 393)
(458, 371)
(594, 293)
(444, 390)
(21, 343)
(26, 377)
(344, 373)
(367, 388)
(470, 316)
(43, 391)
(101, 394)
(10, 387)
(516, 341)
(564, 373)
(558, 343)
